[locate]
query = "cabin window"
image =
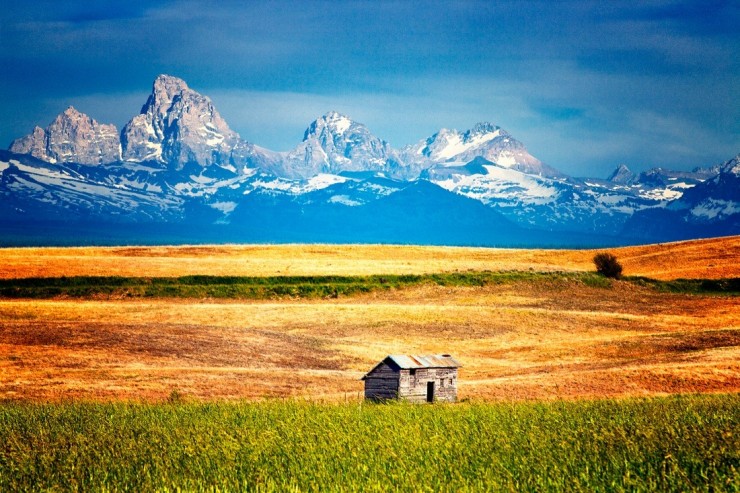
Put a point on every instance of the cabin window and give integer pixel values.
(442, 383)
(412, 372)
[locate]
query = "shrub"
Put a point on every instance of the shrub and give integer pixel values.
(608, 265)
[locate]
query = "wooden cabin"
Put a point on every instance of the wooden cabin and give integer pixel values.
(415, 378)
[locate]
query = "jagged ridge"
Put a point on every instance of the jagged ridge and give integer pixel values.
(178, 126)
(71, 137)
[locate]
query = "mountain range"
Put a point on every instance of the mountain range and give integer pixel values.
(176, 172)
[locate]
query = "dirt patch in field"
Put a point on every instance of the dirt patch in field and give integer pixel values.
(683, 346)
(524, 340)
(177, 344)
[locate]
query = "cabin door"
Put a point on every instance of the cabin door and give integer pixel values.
(430, 391)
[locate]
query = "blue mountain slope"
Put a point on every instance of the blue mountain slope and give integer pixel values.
(709, 209)
(420, 213)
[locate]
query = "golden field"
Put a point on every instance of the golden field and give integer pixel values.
(705, 259)
(521, 340)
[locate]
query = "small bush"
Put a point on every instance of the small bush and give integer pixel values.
(608, 265)
(176, 397)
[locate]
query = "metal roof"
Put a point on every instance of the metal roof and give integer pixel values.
(413, 361)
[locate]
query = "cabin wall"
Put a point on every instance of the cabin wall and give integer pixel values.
(414, 387)
(382, 383)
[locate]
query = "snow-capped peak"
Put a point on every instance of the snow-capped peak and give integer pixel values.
(333, 122)
(485, 140)
(337, 120)
(333, 144)
(452, 145)
(483, 128)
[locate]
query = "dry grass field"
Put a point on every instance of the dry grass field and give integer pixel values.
(706, 259)
(520, 340)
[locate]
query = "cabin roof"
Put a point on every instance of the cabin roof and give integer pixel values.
(415, 361)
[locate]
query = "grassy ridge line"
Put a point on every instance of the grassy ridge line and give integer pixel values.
(238, 287)
(729, 286)
(679, 443)
(258, 287)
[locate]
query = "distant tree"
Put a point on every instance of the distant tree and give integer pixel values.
(608, 265)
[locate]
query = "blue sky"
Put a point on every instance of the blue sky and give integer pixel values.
(585, 85)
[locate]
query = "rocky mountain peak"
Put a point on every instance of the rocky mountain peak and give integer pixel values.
(332, 122)
(622, 175)
(732, 166)
(334, 143)
(72, 113)
(169, 83)
(72, 118)
(72, 137)
(483, 128)
(178, 125)
(164, 91)
(34, 144)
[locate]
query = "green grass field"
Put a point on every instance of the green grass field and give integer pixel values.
(680, 443)
(238, 287)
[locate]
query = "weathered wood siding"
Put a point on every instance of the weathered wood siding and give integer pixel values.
(382, 383)
(414, 387)
(386, 381)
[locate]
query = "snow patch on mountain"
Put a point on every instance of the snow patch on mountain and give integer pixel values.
(497, 182)
(456, 144)
(340, 123)
(344, 200)
(715, 209)
(323, 180)
(225, 207)
(663, 194)
(294, 187)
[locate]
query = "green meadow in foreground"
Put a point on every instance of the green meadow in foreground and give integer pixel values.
(680, 443)
(241, 287)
